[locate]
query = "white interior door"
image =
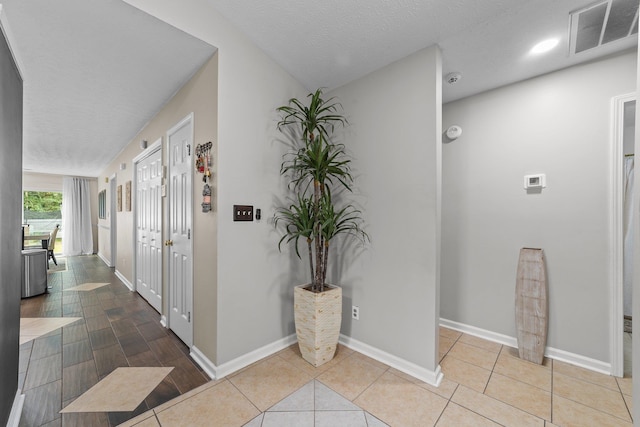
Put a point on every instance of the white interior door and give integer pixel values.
(149, 228)
(180, 142)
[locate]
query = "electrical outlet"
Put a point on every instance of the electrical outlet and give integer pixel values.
(355, 312)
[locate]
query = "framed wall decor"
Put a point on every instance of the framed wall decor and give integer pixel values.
(119, 198)
(127, 196)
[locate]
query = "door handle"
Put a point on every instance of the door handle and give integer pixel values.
(168, 243)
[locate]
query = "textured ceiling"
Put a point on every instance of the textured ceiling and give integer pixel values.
(331, 42)
(96, 71)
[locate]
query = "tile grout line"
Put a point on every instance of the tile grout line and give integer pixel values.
(442, 413)
(624, 400)
(552, 393)
(587, 405)
(245, 396)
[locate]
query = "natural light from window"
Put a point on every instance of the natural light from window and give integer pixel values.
(42, 211)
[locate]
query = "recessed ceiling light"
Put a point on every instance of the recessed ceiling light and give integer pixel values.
(544, 46)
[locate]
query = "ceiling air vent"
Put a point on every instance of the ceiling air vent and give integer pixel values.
(602, 23)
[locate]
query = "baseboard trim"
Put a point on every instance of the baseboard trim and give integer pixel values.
(104, 259)
(550, 352)
(16, 410)
(217, 372)
(227, 368)
(578, 360)
(204, 362)
(163, 320)
(480, 333)
(430, 377)
(124, 280)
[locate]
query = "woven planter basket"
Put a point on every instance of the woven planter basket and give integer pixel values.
(318, 317)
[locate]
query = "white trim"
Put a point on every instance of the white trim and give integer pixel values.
(203, 361)
(480, 333)
(430, 377)
(217, 372)
(16, 409)
(113, 220)
(157, 145)
(104, 259)
(124, 280)
(163, 320)
(616, 238)
(578, 360)
(550, 352)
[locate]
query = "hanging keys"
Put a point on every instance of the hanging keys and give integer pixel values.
(203, 160)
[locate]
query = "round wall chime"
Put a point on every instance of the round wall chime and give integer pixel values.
(203, 166)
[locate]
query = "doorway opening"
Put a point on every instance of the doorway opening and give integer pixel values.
(622, 173)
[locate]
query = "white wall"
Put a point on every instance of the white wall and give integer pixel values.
(32, 181)
(394, 282)
(558, 124)
(254, 281)
(198, 97)
(394, 134)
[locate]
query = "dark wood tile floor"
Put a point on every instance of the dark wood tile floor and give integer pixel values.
(118, 329)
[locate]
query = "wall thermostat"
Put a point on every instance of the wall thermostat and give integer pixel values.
(535, 181)
(454, 132)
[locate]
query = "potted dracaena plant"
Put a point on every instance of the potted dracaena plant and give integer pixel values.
(316, 169)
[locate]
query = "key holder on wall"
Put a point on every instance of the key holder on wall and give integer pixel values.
(203, 166)
(203, 160)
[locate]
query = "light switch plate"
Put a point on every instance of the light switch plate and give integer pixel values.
(242, 213)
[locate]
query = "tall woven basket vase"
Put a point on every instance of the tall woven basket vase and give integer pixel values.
(318, 317)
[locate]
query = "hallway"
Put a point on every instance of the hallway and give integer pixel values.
(116, 328)
(112, 330)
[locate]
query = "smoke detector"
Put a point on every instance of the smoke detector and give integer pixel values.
(452, 78)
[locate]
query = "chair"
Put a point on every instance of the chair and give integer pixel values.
(30, 244)
(52, 245)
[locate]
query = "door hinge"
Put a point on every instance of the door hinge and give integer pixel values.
(189, 234)
(188, 149)
(189, 317)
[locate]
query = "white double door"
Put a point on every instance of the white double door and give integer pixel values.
(149, 229)
(178, 225)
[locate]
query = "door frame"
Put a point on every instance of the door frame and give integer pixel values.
(616, 232)
(151, 149)
(189, 118)
(113, 220)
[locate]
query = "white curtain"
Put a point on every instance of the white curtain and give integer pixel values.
(628, 234)
(76, 217)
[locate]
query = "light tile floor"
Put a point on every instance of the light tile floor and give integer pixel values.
(485, 384)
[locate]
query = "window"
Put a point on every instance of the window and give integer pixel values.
(102, 204)
(42, 212)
